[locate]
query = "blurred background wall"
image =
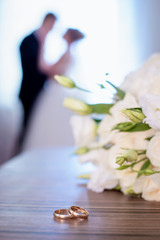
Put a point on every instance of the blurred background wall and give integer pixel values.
(120, 36)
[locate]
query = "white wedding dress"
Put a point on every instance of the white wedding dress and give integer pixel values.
(49, 124)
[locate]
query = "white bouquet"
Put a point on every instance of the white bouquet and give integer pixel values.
(124, 145)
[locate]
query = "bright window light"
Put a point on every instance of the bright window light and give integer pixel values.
(96, 55)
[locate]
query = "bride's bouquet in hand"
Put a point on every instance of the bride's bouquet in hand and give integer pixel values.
(124, 144)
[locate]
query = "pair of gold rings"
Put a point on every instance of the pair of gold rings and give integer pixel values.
(72, 212)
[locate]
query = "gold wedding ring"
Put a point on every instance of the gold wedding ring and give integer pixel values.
(72, 212)
(63, 214)
(78, 212)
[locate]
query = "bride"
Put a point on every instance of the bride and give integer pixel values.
(49, 125)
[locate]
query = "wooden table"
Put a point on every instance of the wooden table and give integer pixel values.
(36, 183)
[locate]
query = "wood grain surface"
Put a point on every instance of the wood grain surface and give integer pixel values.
(36, 183)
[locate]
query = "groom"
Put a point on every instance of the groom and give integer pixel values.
(33, 79)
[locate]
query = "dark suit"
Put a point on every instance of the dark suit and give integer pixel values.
(33, 80)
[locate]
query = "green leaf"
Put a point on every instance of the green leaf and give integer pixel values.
(139, 109)
(149, 138)
(101, 86)
(120, 93)
(148, 172)
(82, 150)
(139, 127)
(101, 108)
(108, 146)
(141, 152)
(97, 120)
(118, 187)
(123, 167)
(130, 191)
(144, 166)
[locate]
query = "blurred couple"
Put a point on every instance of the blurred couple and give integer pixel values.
(36, 71)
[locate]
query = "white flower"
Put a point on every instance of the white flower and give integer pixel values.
(139, 184)
(145, 79)
(105, 132)
(113, 153)
(106, 125)
(93, 156)
(84, 130)
(102, 179)
(151, 108)
(97, 157)
(117, 116)
(153, 150)
(129, 101)
(128, 177)
(149, 186)
(134, 140)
